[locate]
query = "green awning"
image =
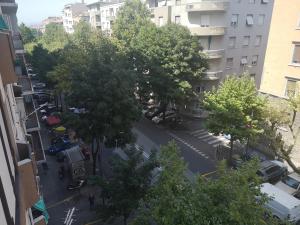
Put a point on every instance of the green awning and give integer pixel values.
(40, 205)
(3, 25)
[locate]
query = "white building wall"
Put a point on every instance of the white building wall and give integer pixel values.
(68, 20)
(108, 15)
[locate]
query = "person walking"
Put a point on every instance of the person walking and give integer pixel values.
(91, 201)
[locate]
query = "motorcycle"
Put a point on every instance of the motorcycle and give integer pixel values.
(76, 185)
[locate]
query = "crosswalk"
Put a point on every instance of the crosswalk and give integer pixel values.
(209, 138)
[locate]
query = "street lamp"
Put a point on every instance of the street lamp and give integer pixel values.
(34, 111)
(121, 132)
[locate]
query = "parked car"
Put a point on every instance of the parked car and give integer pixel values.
(59, 145)
(272, 170)
(290, 184)
(39, 85)
(169, 115)
(282, 205)
(76, 184)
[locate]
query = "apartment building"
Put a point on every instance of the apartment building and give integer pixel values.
(72, 14)
(281, 73)
(103, 13)
(233, 33)
(21, 202)
(51, 19)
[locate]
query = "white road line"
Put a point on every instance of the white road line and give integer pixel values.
(204, 136)
(201, 133)
(209, 138)
(197, 131)
(189, 145)
(216, 145)
(214, 141)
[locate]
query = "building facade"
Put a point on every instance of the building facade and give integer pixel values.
(51, 19)
(281, 73)
(233, 33)
(72, 14)
(20, 196)
(103, 13)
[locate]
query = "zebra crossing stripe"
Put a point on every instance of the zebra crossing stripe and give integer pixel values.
(197, 131)
(199, 134)
(204, 136)
(209, 138)
(214, 141)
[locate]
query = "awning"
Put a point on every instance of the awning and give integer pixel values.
(3, 25)
(53, 120)
(40, 205)
(60, 129)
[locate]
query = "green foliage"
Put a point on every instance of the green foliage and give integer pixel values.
(28, 34)
(42, 61)
(233, 199)
(235, 108)
(54, 37)
(132, 16)
(129, 183)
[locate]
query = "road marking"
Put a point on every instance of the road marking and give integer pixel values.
(200, 134)
(62, 201)
(93, 222)
(214, 141)
(187, 144)
(209, 173)
(209, 138)
(204, 136)
(197, 131)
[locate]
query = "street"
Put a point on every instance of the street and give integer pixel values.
(198, 155)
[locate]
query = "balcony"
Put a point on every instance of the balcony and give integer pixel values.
(32, 120)
(18, 44)
(110, 18)
(207, 31)
(98, 24)
(37, 146)
(214, 54)
(25, 82)
(216, 75)
(206, 6)
(8, 7)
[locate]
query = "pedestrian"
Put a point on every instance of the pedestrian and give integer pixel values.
(91, 201)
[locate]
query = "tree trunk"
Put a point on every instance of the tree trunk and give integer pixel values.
(95, 150)
(231, 150)
(125, 217)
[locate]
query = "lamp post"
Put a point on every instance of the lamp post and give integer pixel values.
(121, 132)
(34, 111)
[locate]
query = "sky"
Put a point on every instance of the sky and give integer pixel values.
(33, 12)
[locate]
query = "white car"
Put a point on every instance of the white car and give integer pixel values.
(290, 183)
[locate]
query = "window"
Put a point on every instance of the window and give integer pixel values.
(246, 41)
(249, 20)
(296, 54)
(272, 169)
(234, 19)
(97, 18)
(204, 20)
(200, 89)
(160, 21)
(258, 40)
(252, 76)
(244, 60)
(254, 60)
(178, 2)
(264, 1)
(229, 63)
(232, 41)
(252, 1)
(177, 19)
(261, 19)
(291, 88)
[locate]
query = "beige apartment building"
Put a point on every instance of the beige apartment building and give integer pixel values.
(233, 33)
(281, 72)
(50, 19)
(20, 142)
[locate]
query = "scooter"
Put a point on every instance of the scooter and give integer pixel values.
(76, 185)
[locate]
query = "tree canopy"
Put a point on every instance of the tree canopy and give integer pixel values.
(235, 108)
(233, 198)
(28, 35)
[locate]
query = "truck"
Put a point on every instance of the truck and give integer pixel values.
(75, 162)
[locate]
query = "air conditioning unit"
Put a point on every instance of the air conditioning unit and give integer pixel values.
(233, 23)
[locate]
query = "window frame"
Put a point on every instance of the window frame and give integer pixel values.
(232, 22)
(252, 62)
(234, 43)
(249, 20)
(229, 66)
(295, 44)
(288, 79)
(246, 58)
(263, 20)
(246, 37)
(176, 17)
(260, 39)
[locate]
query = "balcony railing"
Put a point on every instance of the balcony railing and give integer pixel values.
(110, 18)
(207, 31)
(216, 75)
(207, 6)
(214, 54)
(25, 82)
(31, 121)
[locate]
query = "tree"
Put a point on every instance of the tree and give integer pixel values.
(283, 113)
(132, 16)
(234, 198)
(26, 33)
(97, 77)
(235, 108)
(130, 181)
(54, 37)
(42, 61)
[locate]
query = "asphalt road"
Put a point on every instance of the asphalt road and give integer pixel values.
(198, 156)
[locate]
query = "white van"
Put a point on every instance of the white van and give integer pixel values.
(282, 205)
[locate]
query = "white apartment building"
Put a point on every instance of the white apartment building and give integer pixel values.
(72, 14)
(103, 13)
(233, 33)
